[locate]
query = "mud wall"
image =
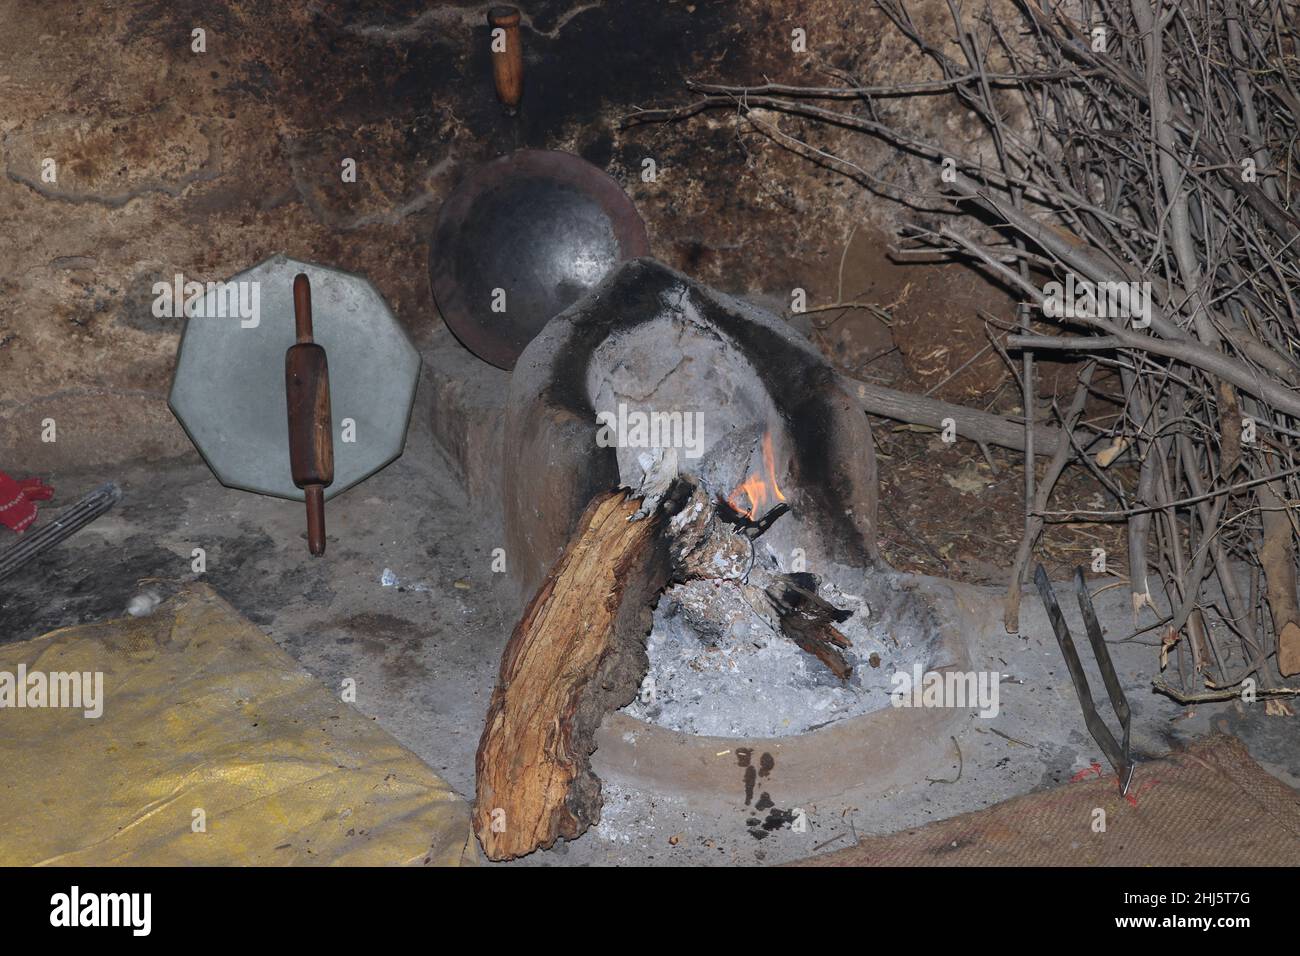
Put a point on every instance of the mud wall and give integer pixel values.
(170, 160)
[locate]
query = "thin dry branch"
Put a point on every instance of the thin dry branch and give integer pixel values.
(1160, 166)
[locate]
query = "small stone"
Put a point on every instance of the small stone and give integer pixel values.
(143, 604)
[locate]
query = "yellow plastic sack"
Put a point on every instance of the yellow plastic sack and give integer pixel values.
(214, 747)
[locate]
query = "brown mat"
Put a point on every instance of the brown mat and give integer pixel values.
(1209, 806)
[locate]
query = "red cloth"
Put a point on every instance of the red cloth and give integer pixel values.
(17, 501)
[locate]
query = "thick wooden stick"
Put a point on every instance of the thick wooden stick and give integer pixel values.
(577, 653)
(307, 397)
(971, 423)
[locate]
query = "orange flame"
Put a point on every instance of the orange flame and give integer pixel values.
(759, 487)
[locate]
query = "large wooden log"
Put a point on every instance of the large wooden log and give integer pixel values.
(577, 653)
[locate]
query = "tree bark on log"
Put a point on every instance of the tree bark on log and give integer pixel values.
(576, 654)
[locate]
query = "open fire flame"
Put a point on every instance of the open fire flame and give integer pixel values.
(759, 488)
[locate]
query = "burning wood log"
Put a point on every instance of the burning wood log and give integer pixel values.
(716, 543)
(578, 653)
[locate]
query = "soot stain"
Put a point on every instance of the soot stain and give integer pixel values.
(750, 777)
(79, 582)
(397, 641)
(761, 828)
(615, 55)
(777, 819)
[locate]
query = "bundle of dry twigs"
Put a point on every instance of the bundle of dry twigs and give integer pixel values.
(1140, 193)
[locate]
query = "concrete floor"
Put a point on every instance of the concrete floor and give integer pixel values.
(425, 655)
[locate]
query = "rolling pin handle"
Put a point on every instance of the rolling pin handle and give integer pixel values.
(315, 519)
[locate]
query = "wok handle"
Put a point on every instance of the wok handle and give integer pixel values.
(507, 63)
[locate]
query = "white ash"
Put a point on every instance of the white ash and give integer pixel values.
(620, 815)
(659, 468)
(718, 669)
(717, 666)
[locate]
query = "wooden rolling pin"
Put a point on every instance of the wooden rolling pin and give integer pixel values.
(307, 393)
(508, 64)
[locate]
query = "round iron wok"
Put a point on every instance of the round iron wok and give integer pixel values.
(521, 239)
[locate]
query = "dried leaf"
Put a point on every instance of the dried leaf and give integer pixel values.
(1109, 454)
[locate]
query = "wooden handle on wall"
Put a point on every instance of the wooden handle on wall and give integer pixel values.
(507, 63)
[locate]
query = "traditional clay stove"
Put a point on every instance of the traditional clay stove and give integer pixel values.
(655, 341)
(747, 477)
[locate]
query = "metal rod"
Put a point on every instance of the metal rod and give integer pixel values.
(67, 523)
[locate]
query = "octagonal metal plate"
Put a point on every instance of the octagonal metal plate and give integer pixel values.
(228, 389)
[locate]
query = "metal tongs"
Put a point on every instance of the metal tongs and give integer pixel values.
(1118, 754)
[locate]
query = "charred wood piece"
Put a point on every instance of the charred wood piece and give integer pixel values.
(809, 620)
(800, 592)
(751, 528)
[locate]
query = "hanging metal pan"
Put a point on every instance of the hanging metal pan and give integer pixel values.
(521, 239)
